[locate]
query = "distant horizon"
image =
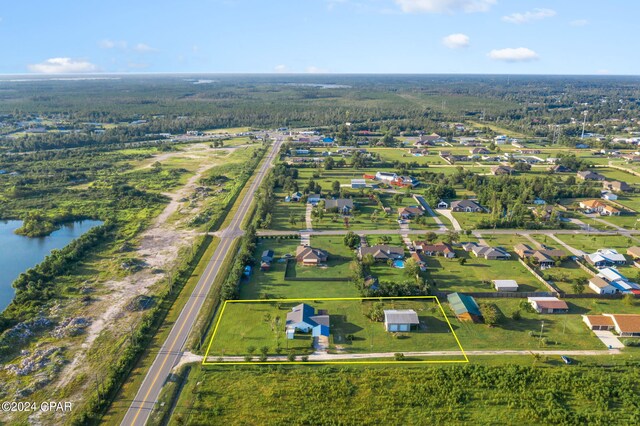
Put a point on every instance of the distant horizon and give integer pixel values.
(486, 37)
(88, 76)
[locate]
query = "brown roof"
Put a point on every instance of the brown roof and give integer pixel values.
(629, 323)
(309, 253)
(552, 304)
(634, 251)
(440, 247)
(599, 320)
(599, 282)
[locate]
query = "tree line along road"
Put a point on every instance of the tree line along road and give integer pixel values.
(172, 349)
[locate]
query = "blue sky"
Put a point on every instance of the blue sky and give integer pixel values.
(335, 36)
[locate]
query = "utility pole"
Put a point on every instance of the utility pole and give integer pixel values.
(541, 330)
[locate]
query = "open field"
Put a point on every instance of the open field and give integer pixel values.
(476, 274)
(257, 324)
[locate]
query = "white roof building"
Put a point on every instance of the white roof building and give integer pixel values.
(505, 285)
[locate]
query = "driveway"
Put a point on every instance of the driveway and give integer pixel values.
(307, 217)
(609, 339)
(454, 222)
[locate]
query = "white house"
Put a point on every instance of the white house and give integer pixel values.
(610, 196)
(601, 286)
(442, 205)
(386, 177)
(505, 285)
(548, 305)
(501, 140)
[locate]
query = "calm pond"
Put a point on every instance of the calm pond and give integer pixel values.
(18, 253)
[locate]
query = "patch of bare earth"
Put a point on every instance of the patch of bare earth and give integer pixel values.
(158, 248)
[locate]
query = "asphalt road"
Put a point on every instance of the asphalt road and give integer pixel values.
(172, 349)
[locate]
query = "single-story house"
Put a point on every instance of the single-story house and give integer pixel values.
(589, 175)
(619, 281)
(626, 325)
(601, 286)
(382, 252)
(410, 212)
(616, 186)
(310, 256)
(479, 151)
(303, 318)
(598, 322)
(465, 307)
(505, 285)
(358, 183)
(386, 177)
(634, 252)
(605, 257)
(400, 320)
(548, 305)
(609, 196)
(438, 249)
(342, 205)
(267, 256)
(314, 198)
(468, 206)
(489, 253)
(442, 205)
(420, 259)
(610, 211)
(502, 170)
(560, 169)
(592, 206)
(294, 197)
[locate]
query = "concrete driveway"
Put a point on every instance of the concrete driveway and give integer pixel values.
(609, 339)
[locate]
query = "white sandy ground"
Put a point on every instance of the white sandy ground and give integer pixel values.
(159, 247)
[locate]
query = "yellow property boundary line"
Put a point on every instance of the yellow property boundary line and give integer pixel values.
(215, 331)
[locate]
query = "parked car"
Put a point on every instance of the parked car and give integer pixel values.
(565, 359)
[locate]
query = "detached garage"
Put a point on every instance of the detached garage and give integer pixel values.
(400, 320)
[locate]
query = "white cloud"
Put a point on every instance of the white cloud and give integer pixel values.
(519, 54)
(112, 44)
(281, 68)
(579, 23)
(456, 41)
(315, 70)
(62, 66)
(445, 6)
(532, 15)
(144, 48)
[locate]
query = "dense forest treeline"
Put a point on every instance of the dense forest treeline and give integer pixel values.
(532, 105)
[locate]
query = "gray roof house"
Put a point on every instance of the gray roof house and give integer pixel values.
(400, 319)
(468, 206)
(344, 205)
(382, 252)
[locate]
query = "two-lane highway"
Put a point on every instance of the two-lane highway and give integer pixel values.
(171, 351)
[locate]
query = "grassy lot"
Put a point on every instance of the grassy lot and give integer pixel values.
(561, 331)
(244, 324)
(591, 243)
(512, 392)
(565, 276)
(476, 274)
(272, 283)
(469, 220)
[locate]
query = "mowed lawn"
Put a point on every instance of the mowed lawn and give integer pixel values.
(271, 283)
(245, 324)
(449, 275)
(560, 331)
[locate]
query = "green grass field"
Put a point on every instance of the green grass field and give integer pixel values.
(475, 275)
(246, 324)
